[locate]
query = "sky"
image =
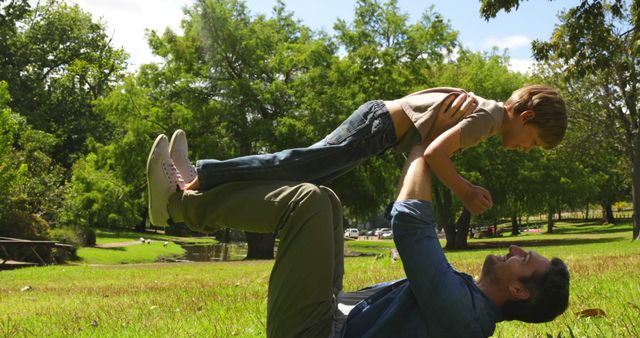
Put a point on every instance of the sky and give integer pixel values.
(535, 19)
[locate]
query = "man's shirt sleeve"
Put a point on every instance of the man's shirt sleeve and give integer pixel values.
(440, 291)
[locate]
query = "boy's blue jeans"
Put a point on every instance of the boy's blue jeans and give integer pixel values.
(367, 132)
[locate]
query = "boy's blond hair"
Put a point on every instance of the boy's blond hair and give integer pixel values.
(550, 112)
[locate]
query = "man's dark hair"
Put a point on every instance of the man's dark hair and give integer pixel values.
(549, 296)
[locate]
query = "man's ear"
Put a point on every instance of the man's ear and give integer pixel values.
(518, 291)
(527, 115)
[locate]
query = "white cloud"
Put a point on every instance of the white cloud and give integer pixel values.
(521, 65)
(508, 42)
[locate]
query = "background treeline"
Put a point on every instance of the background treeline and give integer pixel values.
(76, 125)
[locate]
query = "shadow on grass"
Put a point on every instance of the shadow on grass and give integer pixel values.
(124, 234)
(117, 248)
(600, 229)
(540, 242)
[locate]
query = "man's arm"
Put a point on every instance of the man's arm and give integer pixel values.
(416, 180)
(439, 291)
(438, 156)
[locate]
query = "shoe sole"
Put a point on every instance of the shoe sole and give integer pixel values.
(151, 218)
(173, 140)
(188, 178)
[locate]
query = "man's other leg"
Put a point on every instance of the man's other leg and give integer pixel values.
(300, 304)
(307, 219)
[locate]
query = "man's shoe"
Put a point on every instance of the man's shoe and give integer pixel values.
(163, 179)
(179, 153)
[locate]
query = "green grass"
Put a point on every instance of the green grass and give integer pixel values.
(111, 236)
(229, 298)
(142, 253)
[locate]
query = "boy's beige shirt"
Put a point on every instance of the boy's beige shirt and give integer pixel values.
(422, 107)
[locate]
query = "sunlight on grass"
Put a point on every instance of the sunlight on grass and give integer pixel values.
(140, 253)
(224, 299)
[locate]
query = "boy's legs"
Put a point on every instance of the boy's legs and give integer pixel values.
(369, 131)
(309, 262)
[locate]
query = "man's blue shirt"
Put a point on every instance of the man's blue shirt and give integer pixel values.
(434, 300)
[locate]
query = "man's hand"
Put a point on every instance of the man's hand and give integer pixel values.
(452, 110)
(477, 199)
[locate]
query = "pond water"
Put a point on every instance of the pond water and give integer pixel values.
(215, 252)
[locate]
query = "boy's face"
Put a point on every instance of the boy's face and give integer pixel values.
(521, 136)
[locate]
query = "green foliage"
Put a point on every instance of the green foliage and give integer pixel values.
(59, 60)
(97, 198)
(241, 84)
(386, 58)
(489, 8)
(29, 180)
(67, 235)
(596, 52)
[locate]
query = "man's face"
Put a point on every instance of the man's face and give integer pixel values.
(507, 270)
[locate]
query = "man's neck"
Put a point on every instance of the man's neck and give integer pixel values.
(489, 289)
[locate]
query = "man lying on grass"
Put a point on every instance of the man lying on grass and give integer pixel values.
(437, 301)
(305, 297)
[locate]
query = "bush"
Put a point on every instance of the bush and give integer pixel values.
(68, 235)
(97, 198)
(20, 224)
(89, 237)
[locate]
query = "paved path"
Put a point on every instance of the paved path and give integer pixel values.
(117, 244)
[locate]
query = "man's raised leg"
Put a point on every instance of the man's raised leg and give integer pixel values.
(308, 267)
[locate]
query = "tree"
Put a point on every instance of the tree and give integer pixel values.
(274, 80)
(600, 39)
(596, 149)
(57, 61)
(29, 180)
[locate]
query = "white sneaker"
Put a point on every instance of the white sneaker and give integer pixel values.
(163, 179)
(179, 154)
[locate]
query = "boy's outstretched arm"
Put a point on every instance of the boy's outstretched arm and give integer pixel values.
(438, 156)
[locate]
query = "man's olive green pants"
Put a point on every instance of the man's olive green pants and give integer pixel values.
(309, 264)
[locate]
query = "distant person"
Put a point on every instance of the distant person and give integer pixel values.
(279, 192)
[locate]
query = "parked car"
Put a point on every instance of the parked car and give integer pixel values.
(387, 234)
(379, 230)
(351, 233)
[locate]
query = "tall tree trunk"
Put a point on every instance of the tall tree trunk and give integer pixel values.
(586, 213)
(462, 229)
(635, 186)
(260, 246)
(140, 227)
(550, 222)
(444, 214)
(559, 215)
(450, 235)
(514, 225)
(607, 213)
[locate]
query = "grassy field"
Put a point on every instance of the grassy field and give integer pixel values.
(142, 253)
(229, 298)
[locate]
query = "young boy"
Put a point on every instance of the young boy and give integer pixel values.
(532, 116)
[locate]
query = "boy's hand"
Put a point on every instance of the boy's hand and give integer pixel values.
(477, 199)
